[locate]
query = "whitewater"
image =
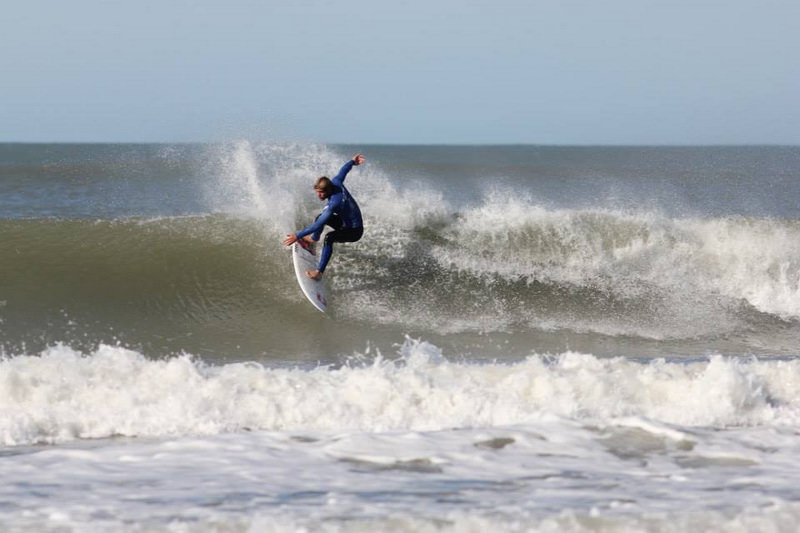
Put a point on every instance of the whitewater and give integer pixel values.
(527, 339)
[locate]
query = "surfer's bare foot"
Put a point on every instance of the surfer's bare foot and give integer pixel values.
(316, 275)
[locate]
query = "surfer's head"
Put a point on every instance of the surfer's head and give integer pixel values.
(324, 187)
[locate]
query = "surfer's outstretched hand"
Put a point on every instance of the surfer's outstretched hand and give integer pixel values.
(358, 159)
(290, 240)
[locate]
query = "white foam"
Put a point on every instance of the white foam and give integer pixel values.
(757, 260)
(546, 475)
(627, 253)
(570, 442)
(63, 395)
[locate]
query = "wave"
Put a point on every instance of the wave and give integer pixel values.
(142, 282)
(61, 394)
(215, 279)
(509, 264)
(431, 263)
(630, 254)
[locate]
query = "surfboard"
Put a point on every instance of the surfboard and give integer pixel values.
(315, 291)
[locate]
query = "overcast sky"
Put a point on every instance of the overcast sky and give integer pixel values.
(402, 71)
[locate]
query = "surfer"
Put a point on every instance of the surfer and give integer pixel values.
(342, 214)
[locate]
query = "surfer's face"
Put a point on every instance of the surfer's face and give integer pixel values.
(324, 187)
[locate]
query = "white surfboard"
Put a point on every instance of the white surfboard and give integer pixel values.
(315, 291)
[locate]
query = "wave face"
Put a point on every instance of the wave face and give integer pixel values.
(457, 253)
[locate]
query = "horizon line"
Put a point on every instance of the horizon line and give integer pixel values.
(421, 145)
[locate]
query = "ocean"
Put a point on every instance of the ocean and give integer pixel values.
(527, 338)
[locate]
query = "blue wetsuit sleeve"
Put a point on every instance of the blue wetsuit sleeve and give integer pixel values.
(323, 217)
(339, 178)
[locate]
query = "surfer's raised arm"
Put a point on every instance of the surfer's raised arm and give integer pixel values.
(355, 161)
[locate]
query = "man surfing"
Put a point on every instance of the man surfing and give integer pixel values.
(342, 214)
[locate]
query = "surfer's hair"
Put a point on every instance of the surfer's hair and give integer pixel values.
(324, 184)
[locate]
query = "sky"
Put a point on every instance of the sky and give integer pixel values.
(556, 72)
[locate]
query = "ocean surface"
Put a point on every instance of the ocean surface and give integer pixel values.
(527, 338)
